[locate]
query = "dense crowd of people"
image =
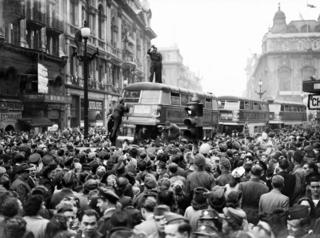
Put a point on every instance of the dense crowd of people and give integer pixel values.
(61, 185)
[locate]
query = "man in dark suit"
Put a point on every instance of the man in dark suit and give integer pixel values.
(251, 192)
(274, 199)
(289, 179)
(156, 64)
(117, 115)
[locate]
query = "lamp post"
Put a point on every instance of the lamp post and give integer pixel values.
(85, 33)
(260, 92)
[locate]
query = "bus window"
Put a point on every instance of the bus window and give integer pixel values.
(255, 106)
(131, 96)
(184, 99)
(175, 98)
(232, 105)
(214, 104)
(208, 103)
(165, 98)
(150, 97)
(242, 105)
(282, 108)
(286, 108)
(221, 104)
(247, 105)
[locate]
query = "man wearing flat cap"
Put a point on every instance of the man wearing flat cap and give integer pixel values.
(20, 184)
(176, 226)
(298, 222)
(107, 202)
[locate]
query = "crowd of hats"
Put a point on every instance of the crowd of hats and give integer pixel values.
(94, 167)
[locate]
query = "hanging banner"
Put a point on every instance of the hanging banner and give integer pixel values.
(42, 79)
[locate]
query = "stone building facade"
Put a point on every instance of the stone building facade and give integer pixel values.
(175, 73)
(290, 55)
(36, 33)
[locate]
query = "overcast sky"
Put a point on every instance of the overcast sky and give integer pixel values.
(215, 37)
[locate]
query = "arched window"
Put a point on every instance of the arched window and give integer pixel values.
(307, 72)
(284, 79)
(100, 22)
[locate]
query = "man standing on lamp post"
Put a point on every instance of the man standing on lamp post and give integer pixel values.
(156, 64)
(117, 115)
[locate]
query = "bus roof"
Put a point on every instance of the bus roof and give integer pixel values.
(163, 87)
(239, 98)
(286, 102)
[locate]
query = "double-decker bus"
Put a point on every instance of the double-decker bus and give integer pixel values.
(237, 114)
(283, 114)
(153, 104)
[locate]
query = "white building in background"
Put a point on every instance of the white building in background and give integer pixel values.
(174, 72)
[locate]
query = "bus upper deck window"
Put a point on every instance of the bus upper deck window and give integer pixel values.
(208, 103)
(175, 98)
(221, 104)
(150, 96)
(241, 104)
(184, 99)
(132, 96)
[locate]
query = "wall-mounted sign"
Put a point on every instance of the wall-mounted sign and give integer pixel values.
(314, 102)
(42, 79)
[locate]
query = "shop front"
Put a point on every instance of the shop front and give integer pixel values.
(10, 113)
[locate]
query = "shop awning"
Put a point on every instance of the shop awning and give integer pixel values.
(37, 121)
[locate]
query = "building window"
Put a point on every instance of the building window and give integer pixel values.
(34, 37)
(307, 72)
(73, 12)
(83, 15)
(100, 22)
(53, 43)
(114, 32)
(13, 33)
(92, 23)
(284, 78)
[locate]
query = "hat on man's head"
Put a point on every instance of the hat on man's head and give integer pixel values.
(150, 182)
(199, 200)
(2, 170)
(209, 214)
(234, 216)
(34, 158)
(48, 159)
(200, 161)
(316, 145)
(204, 149)
(108, 194)
(216, 197)
(233, 199)
(91, 184)
(19, 158)
(206, 230)
(298, 156)
(225, 163)
(22, 168)
(172, 217)
(238, 172)
(298, 212)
